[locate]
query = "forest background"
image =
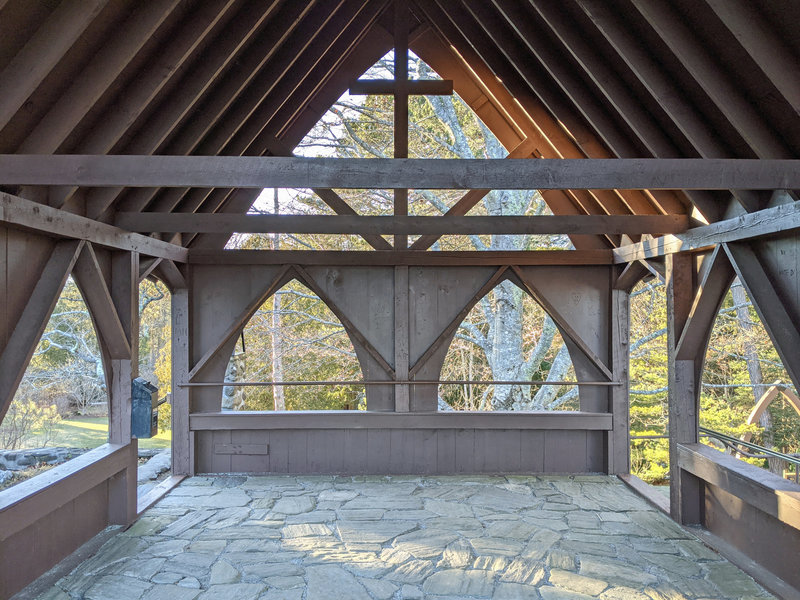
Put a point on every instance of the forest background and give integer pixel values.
(506, 336)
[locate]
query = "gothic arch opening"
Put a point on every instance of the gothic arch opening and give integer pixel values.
(293, 337)
(507, 336)
(741, 367)
(60, 408)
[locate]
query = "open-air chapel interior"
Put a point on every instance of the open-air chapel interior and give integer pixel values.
(411, 299)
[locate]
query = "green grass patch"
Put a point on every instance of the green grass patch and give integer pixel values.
(90, 432)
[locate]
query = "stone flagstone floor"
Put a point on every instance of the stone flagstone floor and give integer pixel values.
(362, 538)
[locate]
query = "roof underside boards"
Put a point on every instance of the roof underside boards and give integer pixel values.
(572, 79)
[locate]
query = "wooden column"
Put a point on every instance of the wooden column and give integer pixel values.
(182, 463)
(125, 296)
(685, 489)
(619, 437)
(401, 339)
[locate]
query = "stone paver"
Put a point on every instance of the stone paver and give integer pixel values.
(390, 538)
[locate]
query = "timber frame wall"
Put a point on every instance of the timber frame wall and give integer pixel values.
(659, 146)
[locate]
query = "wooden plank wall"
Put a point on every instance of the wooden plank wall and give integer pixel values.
(364, 443)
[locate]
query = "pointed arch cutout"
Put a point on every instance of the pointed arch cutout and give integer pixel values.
(68, 369)
(30, 326)
(285, 274)
(742, 359)
(293, 336)
(545, 350)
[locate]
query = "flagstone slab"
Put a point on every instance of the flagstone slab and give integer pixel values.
(391, 538)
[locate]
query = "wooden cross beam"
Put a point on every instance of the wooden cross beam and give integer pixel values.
(401, 87)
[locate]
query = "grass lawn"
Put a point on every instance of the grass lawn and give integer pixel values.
(90, 432)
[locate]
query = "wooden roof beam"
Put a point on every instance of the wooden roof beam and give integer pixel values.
(411, 173)
(343, 63)
(173, 109)
(513, 127)
(241, 77)
(43, 51)
(96, 77)
(705, 70)
(666, 92)
(120, 116)
(600, 118)
(401, 225)
(780, 219)
(552, 115)
(24, 214)
(234, 132)
(772, 56)
(400, 258)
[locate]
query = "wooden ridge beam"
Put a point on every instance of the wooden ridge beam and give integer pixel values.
(398, 258)
(397, 224)
(779, 219)
(18, 212)
(410, 173)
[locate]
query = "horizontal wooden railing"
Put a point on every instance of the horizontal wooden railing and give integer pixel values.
(355, 419)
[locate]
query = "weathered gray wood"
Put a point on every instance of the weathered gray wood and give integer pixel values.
(766, 491)
(391, 259)
(348, 324)
(95, 79)
(236, 326)
(447, 333)
(181, 460)
(770, 53)
(401, 339)
(170, 274)
(619, 450)
(783, 218)
(95, 291)
(561, 420)
(404, 225)
(18, 212)
(408, 173)
(563, 323)
(29, 501)
(340, 207)
(43, 51)
(683, 398)
(703, 67)
(705, 307)
(630, 276)
(29, 328)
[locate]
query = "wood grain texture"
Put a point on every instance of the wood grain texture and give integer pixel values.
(405, 225)
(401, 173)
(18, 212)
(779, 219)
(391, 259)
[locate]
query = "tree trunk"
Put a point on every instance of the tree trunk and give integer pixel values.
(750, 351)
(277, 337)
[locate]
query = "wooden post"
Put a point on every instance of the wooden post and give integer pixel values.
(401, 339)
(182, 463)
(685, 489)
(125, 295)
(619, 437)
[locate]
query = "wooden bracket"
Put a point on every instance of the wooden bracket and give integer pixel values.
(563, 324)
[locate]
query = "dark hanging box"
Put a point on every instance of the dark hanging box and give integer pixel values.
(144, 412)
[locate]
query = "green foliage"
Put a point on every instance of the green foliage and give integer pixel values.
(28, 425)
(727, 395)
